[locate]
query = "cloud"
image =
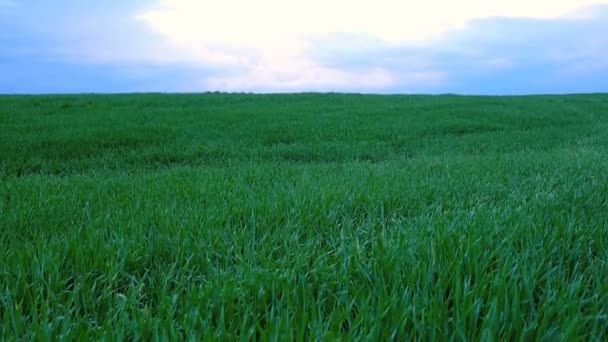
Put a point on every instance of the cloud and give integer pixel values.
(47, 69)
(264, 21)
(276, 46)
(71, 46)
(385, 45)
(533, 55)
(491, 55)
(261, 79)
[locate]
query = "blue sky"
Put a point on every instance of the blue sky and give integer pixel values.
(384, 46)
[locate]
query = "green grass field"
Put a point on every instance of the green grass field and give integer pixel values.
(311, 216)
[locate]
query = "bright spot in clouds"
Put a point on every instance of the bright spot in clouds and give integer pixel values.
(272, 39)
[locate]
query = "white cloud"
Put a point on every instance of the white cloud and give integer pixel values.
(270, 39)
(264, 21)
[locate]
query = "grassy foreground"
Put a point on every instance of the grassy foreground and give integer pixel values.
(304, 217)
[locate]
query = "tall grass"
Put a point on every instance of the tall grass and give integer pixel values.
(311, 216)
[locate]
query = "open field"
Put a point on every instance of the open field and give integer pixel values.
(304, 216)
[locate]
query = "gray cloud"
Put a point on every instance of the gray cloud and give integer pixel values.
(76, 47)
(491, 55)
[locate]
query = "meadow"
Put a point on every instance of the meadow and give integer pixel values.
(305, 216)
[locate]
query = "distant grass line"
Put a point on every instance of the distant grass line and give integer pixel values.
(306, 216)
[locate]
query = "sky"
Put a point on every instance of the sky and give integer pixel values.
(383, 46)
